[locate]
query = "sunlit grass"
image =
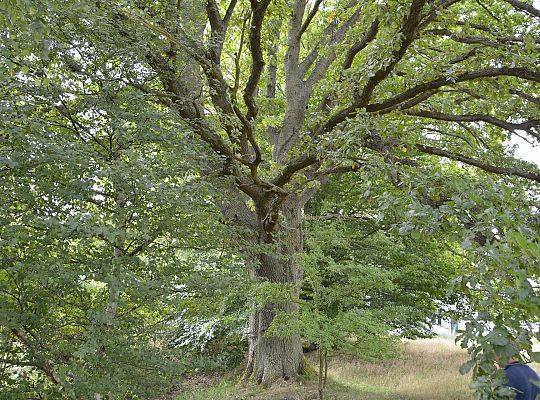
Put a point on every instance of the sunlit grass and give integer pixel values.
(427, 370)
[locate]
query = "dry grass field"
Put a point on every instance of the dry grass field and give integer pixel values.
(426, 370)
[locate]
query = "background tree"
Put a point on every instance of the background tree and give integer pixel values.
(286, 93)
(356, 241)
(368, 278)
(103, 227)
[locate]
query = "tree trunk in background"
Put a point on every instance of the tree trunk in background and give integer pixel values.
(273, 358)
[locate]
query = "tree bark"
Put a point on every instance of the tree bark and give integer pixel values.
(277, 357)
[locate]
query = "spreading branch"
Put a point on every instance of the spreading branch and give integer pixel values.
(292, 167)
(526, 96)
(360, 45)
(257, 60)
(218, 27)
(338, 37)
(520, 5)
(333, 34)
(530, 175)
(40, 362)
(408, 32)
(521, 73)
(309, 18)
(527, 125)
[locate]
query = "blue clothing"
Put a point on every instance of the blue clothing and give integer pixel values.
(524, 380)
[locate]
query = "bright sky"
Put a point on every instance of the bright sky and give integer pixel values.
(526, 151)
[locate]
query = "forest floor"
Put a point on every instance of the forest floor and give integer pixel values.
(426, 370)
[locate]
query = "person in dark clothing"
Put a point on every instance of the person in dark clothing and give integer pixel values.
(523, 380)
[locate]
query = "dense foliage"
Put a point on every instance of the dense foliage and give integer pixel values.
(161, 163)
(104, 231)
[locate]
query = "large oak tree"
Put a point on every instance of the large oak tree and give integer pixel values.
(288, 92)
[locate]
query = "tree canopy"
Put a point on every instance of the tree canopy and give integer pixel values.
(140, 137)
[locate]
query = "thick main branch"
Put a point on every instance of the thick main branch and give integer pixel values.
(530, 175)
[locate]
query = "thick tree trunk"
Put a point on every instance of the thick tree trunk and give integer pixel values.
(273, 357)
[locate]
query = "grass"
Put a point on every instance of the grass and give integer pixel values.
(427, 370)
(223, 390)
